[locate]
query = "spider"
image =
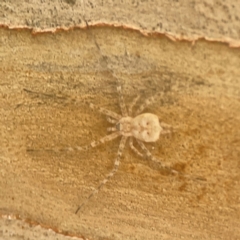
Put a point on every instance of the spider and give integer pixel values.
(143, 127)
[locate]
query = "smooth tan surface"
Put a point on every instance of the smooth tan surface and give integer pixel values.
(46, 81)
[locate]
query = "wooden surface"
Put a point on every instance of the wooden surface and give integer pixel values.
(38, 111)
(45, 82)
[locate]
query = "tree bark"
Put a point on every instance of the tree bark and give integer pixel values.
(47, 81)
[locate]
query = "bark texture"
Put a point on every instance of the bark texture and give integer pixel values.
(46, 81)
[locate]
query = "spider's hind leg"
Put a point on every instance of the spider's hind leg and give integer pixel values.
(166, 169)
(155, 161)
(167, 128)
(109, 176)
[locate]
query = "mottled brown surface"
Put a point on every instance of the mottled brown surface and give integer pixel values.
(15, 229)
(46, 80)
(185, 19)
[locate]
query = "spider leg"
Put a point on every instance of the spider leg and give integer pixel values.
(81, 148)
(165, 125)
(130, 108)
(111, 120)
(167, 128)
(148, 102)
(110, 175)
(154, 160)
(133, 148)
(105, 112)
(121, 102)
(167, 168)
(112, 129)
(93, 144)
(164, 131)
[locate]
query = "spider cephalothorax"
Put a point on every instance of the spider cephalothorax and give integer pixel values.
(144, 127)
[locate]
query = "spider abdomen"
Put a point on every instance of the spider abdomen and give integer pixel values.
(146, 127)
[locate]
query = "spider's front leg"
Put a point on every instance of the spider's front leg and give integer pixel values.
(133, 103)
(106, 112)
(121, 102)
(148, 102)
(110, 175)
(111, 120)
(107, 138)
(93, 144)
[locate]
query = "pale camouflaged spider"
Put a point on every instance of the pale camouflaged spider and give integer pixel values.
(143, 127)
